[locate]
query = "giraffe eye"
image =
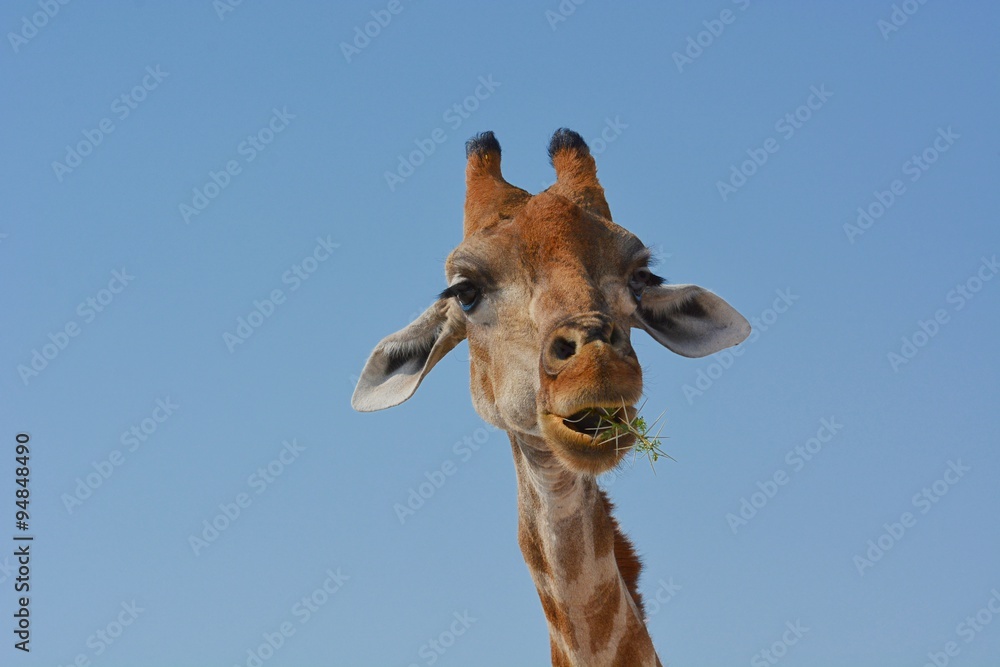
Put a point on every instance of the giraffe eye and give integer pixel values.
(641, 279)
(639, 282)
(466, 294)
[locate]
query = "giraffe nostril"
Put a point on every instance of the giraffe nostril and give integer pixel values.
(563, 349)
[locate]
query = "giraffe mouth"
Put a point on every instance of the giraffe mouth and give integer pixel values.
(596, 428)
(592, 438)
(597, 421)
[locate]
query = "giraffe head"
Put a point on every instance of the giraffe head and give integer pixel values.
(547, 290)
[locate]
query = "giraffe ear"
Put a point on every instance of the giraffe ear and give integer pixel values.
(690, 320)
(399, 362)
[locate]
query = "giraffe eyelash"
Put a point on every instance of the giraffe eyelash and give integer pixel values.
(655, 280)
(453, 290)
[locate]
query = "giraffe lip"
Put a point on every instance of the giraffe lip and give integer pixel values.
(596, 421)
(592, 451)
(592, 429)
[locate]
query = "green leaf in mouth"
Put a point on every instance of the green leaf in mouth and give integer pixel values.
(614, 421)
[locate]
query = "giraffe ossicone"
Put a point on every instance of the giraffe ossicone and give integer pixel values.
(546, 289)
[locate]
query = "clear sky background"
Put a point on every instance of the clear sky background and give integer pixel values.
(728, 586)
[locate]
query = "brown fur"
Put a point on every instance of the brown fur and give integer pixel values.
(546, 290)
(628, 561)
(531, 549)
(578, 181)
(559, 659)
(604, 606)
(489, 198)
(627, 654)
(556, 244)
(556, 617)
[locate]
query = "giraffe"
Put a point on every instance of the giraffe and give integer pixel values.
(546, 290)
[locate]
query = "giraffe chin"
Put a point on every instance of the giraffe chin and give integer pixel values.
(586, 440)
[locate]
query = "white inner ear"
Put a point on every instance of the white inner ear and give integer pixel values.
(405, 357)
(690, 320)
(400, 361)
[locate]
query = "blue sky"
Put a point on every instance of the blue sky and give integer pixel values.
(173, 169)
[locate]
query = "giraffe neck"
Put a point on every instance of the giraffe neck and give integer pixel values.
(584, 568)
